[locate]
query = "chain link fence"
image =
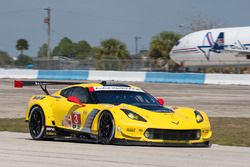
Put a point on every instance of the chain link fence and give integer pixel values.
(134, 64)
(139, 64)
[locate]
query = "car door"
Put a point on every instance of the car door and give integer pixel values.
(70, 115)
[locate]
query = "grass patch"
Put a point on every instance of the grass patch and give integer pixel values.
(231, 131)
(13, 125)
(226, 131)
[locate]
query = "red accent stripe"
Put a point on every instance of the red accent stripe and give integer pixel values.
(187, 49)
(91, 89)
(187, 52)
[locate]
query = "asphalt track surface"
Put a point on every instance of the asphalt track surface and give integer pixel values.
(215, 100)
(17, 149)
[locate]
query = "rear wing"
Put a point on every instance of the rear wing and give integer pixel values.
(42, 84)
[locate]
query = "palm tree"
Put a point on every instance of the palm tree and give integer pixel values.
(64, 48)
(112, 48)
(160, 47)
(161, 44)
(82, 49)
(110, 55)
(21, 45)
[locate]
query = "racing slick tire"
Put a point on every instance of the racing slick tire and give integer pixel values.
(106, 130)
(37, 123)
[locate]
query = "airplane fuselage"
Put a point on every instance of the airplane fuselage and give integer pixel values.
(232, 47)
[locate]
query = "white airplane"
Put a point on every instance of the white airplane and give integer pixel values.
(231, 47)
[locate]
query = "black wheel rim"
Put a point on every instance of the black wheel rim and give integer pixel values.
(106, 127)
(36, 123)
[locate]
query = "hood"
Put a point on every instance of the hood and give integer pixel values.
(155, 108)
(164, 117)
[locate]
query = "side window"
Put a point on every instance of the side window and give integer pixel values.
(81, 93)
(66, 92)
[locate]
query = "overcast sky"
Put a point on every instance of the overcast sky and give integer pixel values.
(95, 20)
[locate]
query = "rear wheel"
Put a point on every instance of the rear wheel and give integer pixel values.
(37, 123)
(106, 130)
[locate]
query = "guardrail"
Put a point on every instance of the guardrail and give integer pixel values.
(164, 77)
(184, 78)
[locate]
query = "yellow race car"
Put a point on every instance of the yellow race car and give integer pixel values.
(112, 114)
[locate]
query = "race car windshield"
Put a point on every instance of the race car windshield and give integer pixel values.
(128, 97)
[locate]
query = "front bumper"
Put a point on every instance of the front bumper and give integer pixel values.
(144, 143)
(155, 135)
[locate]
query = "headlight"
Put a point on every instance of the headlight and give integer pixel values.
(198, 116)
(133, 115)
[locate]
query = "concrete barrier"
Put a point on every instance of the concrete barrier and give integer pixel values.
(183, 78)
(227, 79)
(186, 78)
(3, 73)
(63, 74)
(18, 73)
(117, 76)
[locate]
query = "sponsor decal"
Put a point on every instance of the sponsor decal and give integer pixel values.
(67, 121)
(38, 97)
(76, 120)
(130, 129)
(39, 83)
(50, 130)
(116, 88)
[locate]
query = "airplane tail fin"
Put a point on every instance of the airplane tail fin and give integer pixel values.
(219, 43)
(215, 46)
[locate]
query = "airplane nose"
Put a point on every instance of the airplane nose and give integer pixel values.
(171, 51)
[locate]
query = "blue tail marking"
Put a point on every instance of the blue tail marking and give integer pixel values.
(213, 46)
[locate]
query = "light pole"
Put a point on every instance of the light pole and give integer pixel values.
(47, 21)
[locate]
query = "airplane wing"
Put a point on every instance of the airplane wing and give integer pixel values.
(238, 47)
(240, 51)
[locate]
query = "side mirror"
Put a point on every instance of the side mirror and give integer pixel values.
(74, 99)
(161, 101)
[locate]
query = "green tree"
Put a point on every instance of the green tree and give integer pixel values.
(64, 48)
(42, 51)
(112, 48)
(82, 49)
(161, 44)
(21, 45)
(23, 60)
(5, 59)
(110, 55)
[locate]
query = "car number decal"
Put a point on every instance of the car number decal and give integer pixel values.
(76, 120)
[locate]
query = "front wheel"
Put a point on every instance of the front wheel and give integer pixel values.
(208, 144)
(106, 129)
(37, 123)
